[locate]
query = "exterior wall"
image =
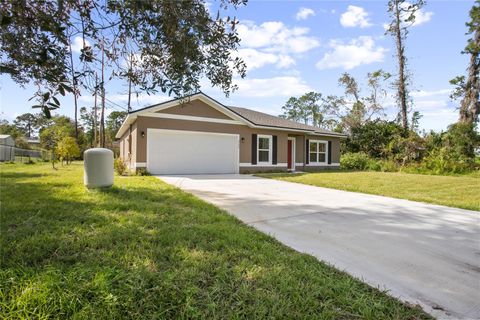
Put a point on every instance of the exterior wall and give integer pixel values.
(142, 124)
(245, 132)
(195, 108)
(300, 152)
(129, 138)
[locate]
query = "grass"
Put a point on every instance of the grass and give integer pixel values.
(455, 191)
(146, 250)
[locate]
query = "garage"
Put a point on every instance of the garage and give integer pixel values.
(191, 152)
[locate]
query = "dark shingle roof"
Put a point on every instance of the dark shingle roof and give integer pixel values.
(264, 119)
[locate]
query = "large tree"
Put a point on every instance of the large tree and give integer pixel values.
(26, 123)
(310, 108)
(177, 43)
(355, 109)
(402, 16)
(468, 88)
(114, 122)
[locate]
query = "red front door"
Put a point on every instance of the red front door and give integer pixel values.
(289, 155)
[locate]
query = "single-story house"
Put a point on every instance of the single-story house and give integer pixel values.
(7, 148)
(198, 134)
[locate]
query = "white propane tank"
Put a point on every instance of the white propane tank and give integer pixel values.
(98, 168)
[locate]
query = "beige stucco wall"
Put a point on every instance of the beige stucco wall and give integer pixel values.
(196, 108)
(301, 144)
(245, 132)
(142, 124)
(125, 148)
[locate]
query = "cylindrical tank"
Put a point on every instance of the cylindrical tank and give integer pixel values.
(98, 168)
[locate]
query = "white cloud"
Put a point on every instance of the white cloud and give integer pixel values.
(274, 36)
(272, 43)
(358, 51)
(256, 59)
(424, 93)
(304, 13)
(355, 17)
(421, 16)
(286, 86)
(77, 44)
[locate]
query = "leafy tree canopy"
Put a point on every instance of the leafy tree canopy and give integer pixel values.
(175, 44)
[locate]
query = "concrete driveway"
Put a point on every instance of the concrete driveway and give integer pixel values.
(421, 253)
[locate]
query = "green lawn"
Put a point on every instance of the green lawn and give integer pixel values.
(453, 191)
(144, 249)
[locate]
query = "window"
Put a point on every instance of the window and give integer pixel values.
(264, 144)
(318, 151)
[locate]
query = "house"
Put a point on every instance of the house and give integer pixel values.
(7, 148)
(198, 134)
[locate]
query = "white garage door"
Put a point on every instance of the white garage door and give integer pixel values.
(189, 152)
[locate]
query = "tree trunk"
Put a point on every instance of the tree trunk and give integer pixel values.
(74, 85)
(401, 85)
(470, 105)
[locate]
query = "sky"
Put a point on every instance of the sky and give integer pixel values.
(294, 47)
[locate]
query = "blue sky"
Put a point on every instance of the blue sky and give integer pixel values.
(292, 47)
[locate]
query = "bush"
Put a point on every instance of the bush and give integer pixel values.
(142, 172)
(120, 166)
(443, 161)
(382, 165)
(354, 161)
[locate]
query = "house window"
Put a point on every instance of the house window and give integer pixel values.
(318, 151)
(264, 144)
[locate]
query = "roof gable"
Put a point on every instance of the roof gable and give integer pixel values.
(195, 108)
(234, 115)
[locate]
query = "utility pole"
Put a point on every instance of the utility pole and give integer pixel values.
(102, 115)
(129, 108)
(95, 113)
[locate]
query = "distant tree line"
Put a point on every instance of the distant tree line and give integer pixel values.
(59, 133)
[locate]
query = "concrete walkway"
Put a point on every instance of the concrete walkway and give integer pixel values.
(421, 253)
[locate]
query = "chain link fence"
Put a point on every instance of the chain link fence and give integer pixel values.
(15, 154)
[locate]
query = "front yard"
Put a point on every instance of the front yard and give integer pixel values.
(144, 249)
(453, 191)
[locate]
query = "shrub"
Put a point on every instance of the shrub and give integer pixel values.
(142, 172)
(382, 165)
(442, 161)
(354, 161)
(373, 137)
(461, 139)
(120, 166)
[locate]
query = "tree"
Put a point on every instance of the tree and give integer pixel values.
(354, 110)
(415, 123)
(67, 149)
(26, 123)
(114, 122)
(10, 129)
(309, 108)
(402, 14)
(178, 43)
(89, 124)
(60, 127)
(373, 138)
(469, 88)
(460, 140)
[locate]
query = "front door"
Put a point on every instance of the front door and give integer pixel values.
(290, 152)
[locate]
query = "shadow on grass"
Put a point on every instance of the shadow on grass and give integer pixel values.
(143, 249)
